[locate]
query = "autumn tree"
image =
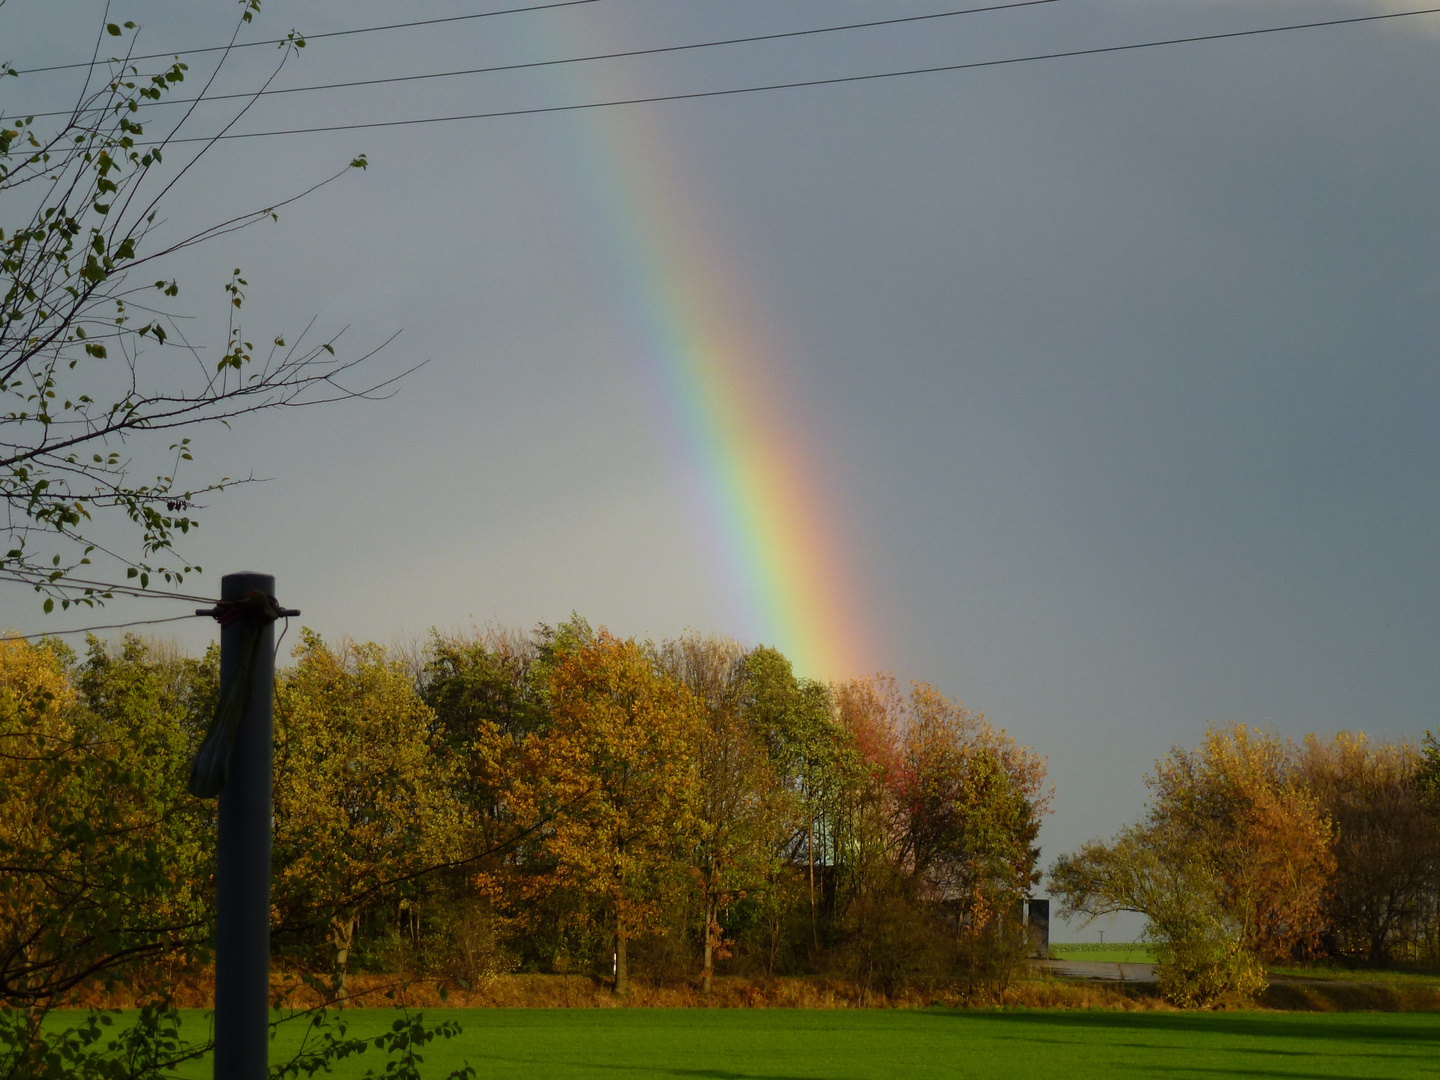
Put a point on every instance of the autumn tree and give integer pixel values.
(1387, 843)
(104, 862)
(944, 822)
(104, 872)
(743, 815)
(614, 777)
(1231, 866)
(486, 696)
(972, 799)
(1240, 800)
(811, 756)
(887, 933)
(42, 847)
(363, 803)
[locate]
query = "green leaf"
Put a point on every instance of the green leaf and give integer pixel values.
(113, 29)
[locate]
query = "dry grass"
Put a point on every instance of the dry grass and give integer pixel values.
(291, 990)
(1335, 996)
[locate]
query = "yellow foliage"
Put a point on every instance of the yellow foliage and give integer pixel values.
(359, 797)
(614, 778)
(34, 691)
(1241, 805)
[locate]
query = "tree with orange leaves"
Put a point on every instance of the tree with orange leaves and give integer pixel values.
(946, 818)
(614, 775)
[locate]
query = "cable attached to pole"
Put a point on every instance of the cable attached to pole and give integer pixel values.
(212, 760)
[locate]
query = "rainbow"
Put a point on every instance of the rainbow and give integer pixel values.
(711, 361)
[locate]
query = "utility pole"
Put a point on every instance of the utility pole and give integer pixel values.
(237, 759)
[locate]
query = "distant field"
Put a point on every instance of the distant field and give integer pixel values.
(778, 1044)
(1108, 953)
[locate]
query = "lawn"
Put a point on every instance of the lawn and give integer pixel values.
(776, 1044)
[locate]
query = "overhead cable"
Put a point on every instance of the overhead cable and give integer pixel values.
(35, 577)
(317, 37)
(626, 54)
(834, 81)
(92, 629)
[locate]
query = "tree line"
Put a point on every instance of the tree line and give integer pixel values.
(560, 801)
(569, 801)
(1256, 850)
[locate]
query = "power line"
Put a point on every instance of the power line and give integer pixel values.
(807, 82)
(317, 37)
(36, 578)
(92, 629)
(627, 54)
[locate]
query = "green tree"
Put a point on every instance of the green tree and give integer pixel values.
(1154, 871)
(1427, 771)
(812, 757)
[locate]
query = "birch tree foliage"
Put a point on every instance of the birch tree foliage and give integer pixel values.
(103, 393)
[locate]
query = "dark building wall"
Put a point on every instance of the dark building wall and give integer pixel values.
(1039, 922)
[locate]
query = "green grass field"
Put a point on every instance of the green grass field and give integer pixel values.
(1109, 953)
(590, 1044)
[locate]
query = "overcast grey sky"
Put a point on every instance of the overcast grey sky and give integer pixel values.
(1119, 372)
